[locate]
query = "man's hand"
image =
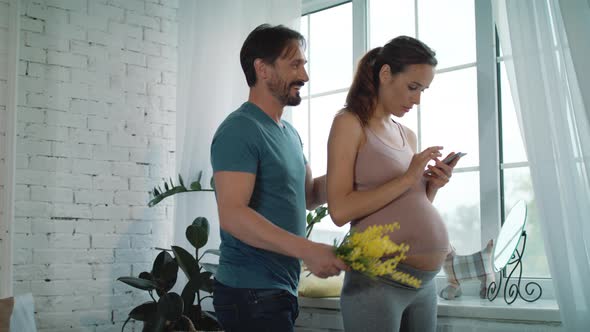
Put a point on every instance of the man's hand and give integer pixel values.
(321, 260)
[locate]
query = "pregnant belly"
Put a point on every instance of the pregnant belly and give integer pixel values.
(426, 262)
(421, 227)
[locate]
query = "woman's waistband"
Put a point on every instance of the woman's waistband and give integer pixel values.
(424, 276)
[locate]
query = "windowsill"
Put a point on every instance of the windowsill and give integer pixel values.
(543, 310)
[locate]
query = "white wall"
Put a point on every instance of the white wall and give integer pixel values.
(96, 131)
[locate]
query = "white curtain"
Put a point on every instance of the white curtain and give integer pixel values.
(211, 85)
(9, 37)
(549, 94)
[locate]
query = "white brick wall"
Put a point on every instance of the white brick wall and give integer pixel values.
(96, 126)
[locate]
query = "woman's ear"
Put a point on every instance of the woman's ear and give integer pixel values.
(385, 74)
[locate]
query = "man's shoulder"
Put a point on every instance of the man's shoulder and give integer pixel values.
(238, 122)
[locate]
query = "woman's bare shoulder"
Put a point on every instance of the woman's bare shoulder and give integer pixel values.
(347, 127)
(347, 120)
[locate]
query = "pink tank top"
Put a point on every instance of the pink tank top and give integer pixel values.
(421, 226)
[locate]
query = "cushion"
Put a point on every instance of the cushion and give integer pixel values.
(459, 268)
(312, 286)
(6, 306)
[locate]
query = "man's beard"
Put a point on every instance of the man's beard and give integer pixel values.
(281, 90)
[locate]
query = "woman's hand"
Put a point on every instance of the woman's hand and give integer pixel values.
(438, 175)
(416, 169)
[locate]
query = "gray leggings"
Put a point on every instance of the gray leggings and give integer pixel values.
(383, 305)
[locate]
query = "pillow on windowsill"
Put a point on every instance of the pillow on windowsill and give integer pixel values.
(460, 268)
(6, 306)
(312, 286)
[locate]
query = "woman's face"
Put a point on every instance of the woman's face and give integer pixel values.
(398, 93)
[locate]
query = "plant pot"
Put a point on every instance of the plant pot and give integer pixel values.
(205, 322)
(191, 327)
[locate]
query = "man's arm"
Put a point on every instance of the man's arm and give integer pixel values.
(234, 190)
(315, 189)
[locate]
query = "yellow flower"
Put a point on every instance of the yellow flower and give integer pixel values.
(364, 252)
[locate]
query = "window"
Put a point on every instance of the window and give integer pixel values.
(450, 114)
(329, 44)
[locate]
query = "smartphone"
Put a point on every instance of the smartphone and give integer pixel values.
(450, 159)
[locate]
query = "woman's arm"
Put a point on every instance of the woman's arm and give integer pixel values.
(413, 141)
(346, 204)
(439, 174)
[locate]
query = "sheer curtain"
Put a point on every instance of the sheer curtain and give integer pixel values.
(211, 84)
(9, 36)
(548, 95)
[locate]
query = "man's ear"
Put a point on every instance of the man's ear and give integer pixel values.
(384, 73)
(261, 69)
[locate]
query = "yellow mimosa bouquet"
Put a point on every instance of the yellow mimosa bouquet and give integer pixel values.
(364, 252)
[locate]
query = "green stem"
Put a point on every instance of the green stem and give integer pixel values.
(199, 276)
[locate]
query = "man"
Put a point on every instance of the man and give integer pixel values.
(263, 186)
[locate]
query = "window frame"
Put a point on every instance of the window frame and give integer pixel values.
(488, 61)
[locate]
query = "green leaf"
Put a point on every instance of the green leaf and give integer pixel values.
(166, 186)
(162, 259)
(176, 190)
(146, 275)
(212, 183)
(199, 176)
(156, 200)
(198, 233)
(156, 323)
(201, 222)
(210, 267)
(188, 295)
(169, 275)
(139, 283)
(206, 282)
(215, 252)
(143, 312)
(169, 192)
(170, 271)
(196, 185)
(309, 218)
(171, 306)
(187, 262)
(180, 180)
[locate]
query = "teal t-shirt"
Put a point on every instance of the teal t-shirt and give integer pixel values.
(249, 141)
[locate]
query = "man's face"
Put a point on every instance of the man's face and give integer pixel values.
(288, 76)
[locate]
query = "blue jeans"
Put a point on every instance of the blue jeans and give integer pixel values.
(248, 309)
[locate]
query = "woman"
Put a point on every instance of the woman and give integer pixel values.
(375, 176)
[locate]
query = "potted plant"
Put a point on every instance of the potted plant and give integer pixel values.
(171, 311)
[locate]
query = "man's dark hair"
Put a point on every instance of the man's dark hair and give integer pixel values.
(266, 42)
